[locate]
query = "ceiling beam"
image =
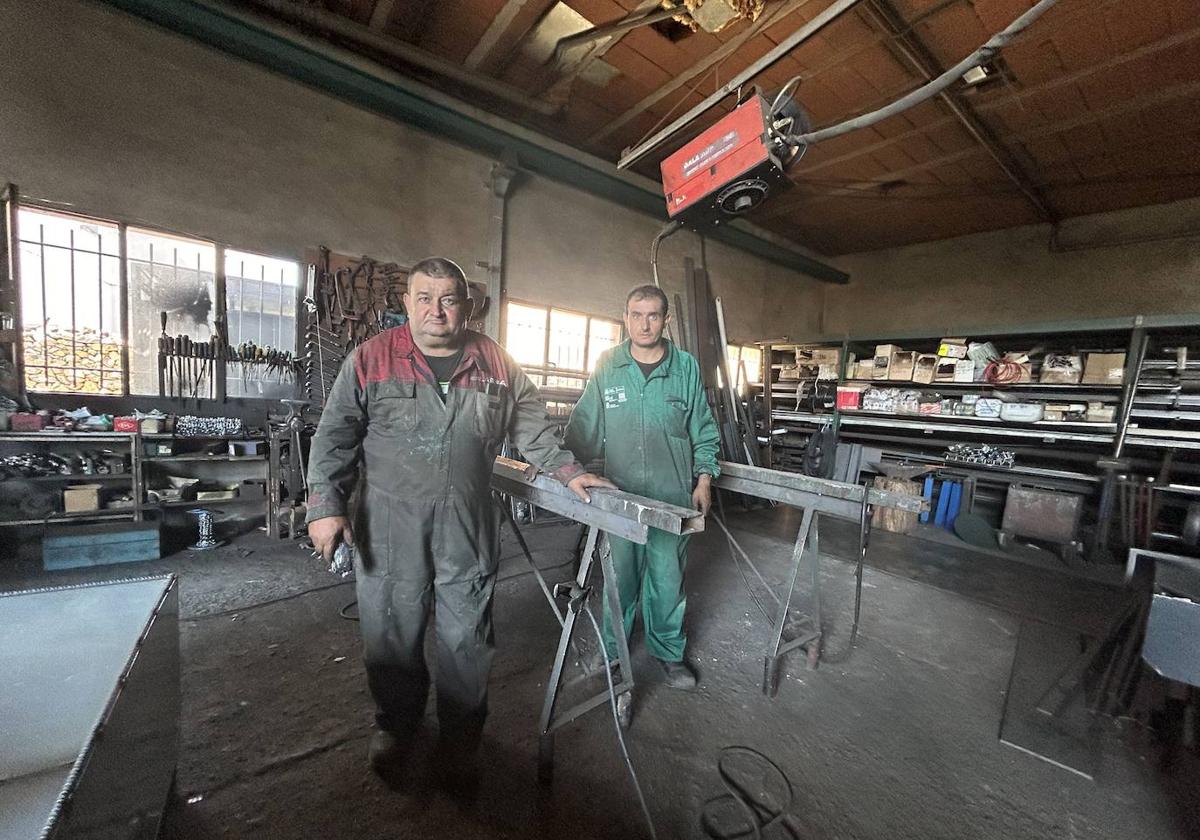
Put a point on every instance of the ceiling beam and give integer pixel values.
(909, 46)
(707, 63)
(1011, 98)
(558, 90)
(1129, 107)
(381, 14)
(413, 19)
(486, 49)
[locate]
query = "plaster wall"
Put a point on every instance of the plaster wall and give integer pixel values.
(1144, 261)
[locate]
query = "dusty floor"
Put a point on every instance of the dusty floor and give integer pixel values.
(898, 738)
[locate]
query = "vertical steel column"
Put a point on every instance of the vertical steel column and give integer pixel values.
(12, 282)
(503, 175)
(221, 326)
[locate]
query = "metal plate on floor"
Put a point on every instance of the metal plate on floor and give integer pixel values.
(1071, 740)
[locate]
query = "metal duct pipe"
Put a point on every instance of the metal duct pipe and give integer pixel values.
(605, 30)
(333, 24)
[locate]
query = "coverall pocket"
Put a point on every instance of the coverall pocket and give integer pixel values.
(489, 416)
(393, 409)
(675, 417)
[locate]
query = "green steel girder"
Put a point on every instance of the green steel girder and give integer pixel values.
(242, 37)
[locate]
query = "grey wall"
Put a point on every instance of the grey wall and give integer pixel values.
(1144, 261)
(107, 115)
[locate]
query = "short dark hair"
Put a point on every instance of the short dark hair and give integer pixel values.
(643, 292)
(441, 268)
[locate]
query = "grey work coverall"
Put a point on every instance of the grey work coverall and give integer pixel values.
(426, 529)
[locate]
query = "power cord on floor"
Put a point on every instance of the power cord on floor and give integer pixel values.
(267, 603)
(751, 802)
(612, 700)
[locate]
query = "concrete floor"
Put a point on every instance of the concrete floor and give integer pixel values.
(897, 738)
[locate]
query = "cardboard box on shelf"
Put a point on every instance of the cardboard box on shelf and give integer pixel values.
(953, 348)
(1099, 412)
(818, 356)
(864, 369)
(883, 360)
(789, 373)
(827, 371)
(1061, 369)
(924, 368)
(81, 497)
(125, 424)
(944, 369)
(1104, 369)
(901, 366)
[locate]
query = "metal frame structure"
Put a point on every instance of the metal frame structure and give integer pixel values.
(814, 496)
(625, 514)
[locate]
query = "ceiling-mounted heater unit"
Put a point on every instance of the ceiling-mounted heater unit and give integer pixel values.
(732, 167)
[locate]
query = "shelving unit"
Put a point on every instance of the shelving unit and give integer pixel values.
(73, 444)
(144, 472)
(1154, 434)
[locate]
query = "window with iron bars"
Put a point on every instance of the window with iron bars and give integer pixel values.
(85, 332)
(558, 348)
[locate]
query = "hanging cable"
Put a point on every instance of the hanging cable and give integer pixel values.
(936, 86)
(612, 700)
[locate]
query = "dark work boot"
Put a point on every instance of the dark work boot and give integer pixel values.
(387, 751)
(679, 675)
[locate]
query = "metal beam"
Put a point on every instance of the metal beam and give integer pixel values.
(607, 30)
(559, 90)
(351, 77)
(839, 498)
(628, 510)
(707, 63)
(794, 40)
(910, 46)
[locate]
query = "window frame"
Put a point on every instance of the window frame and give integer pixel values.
(544, 371)
(14, 240)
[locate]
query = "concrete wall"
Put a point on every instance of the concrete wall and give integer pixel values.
(1006, 277)
(105, 114)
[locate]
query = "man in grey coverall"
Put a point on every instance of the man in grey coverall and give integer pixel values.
(420, 411)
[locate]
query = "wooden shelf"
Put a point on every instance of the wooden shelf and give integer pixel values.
(58, 437)
(195, 503)
(1024, 386)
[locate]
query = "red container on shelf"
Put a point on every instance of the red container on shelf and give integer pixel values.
(26, 422)
(125, 424)
(849, 397)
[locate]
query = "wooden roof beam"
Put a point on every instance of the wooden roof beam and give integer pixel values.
(913, 49)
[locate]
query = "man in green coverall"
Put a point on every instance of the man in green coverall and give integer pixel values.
(644, 411)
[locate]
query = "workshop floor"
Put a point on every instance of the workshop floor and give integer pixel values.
(898, 738)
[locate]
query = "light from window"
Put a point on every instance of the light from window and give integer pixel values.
(542, 339)
(70, 275)
(739, 356)
(525, 335)
(604, 335)
(260, 307)
(166, 274)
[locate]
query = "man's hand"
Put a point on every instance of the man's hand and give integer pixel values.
(702, 495)
(327, 532)
(579, 484)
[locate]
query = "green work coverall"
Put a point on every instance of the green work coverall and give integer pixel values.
(425, 529)
(656, 435)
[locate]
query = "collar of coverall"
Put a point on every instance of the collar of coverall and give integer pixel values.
(407, 346)
(623, 357)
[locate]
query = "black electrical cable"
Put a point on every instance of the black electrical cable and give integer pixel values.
(346, 609)
(258, 604)
(612, 700)
(760, 816)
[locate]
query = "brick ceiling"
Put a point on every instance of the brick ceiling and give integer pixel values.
(1096, 107)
